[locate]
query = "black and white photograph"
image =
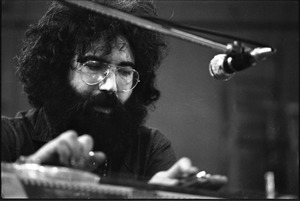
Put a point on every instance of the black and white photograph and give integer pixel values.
(149, 99)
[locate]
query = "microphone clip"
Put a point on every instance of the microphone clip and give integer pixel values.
(238, 57)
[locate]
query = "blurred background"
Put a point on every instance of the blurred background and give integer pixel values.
(241, 128)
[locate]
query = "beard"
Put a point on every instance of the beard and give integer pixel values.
(112, 133)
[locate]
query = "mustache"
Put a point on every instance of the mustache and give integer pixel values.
(104, 99)
(81, 104)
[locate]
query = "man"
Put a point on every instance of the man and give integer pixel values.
(91, 80)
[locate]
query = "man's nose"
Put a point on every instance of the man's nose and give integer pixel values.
(109, 83)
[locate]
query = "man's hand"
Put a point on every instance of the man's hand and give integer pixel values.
(69, 150)
(181, 169)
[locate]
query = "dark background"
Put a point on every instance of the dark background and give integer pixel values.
(241, 128)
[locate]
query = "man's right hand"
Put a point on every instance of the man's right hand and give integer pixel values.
(69, 150)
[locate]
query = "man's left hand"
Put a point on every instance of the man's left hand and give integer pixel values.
(183, 168)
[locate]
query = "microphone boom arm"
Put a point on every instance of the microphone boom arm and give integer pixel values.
(235, 58)
(147, 24)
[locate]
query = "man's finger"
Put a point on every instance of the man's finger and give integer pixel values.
(70, 139)
(62, 146)
(64, 153)
(181, 167)
(86, 142)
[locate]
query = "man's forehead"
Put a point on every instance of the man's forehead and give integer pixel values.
(122, 44)
(115, 51)
(100, 45)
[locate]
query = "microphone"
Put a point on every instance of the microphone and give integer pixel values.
(224, 66)
(221, 67)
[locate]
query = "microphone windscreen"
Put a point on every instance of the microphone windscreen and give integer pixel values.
(216, 68)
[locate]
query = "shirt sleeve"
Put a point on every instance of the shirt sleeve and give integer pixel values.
(162, 155)
(10, 141)
(15, 139)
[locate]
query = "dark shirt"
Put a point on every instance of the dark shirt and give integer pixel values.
(29, 130)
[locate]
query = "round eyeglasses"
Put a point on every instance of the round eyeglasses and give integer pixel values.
(95, 72)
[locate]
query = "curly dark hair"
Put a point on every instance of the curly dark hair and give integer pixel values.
(63, 31)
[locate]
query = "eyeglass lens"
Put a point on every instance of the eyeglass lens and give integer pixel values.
(96, 72)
